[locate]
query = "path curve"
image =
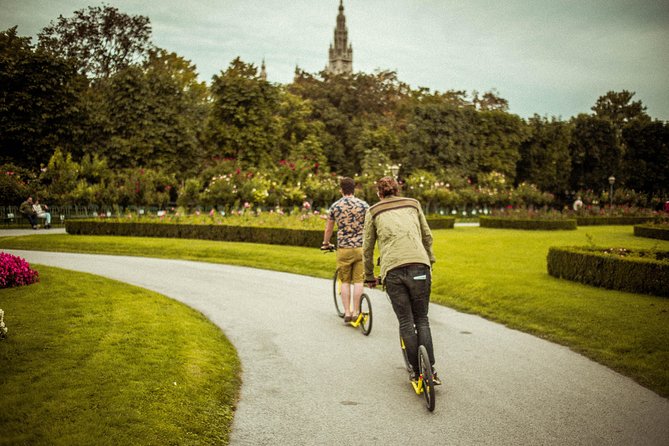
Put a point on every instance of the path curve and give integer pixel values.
(309, 380)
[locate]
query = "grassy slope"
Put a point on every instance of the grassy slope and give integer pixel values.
(93, 361)
(499, 274)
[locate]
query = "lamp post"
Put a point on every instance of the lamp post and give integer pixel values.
(612, 180)
(394, 170)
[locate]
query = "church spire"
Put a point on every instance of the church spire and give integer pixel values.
(263, 71)
(341, 53)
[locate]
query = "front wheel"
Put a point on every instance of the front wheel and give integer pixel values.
(366, 310)
(336, 291)
(428, 379)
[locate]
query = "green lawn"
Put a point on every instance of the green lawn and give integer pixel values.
(93, 361)
(499, 274)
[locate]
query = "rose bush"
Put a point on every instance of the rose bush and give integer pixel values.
(15, 271)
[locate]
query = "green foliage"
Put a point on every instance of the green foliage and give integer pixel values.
(101, 40)
(605, 220)
(16, 184)
(229, 233)
(544, 155)
(39, 104)
(540, 224)
(657, 231)
(614, 268)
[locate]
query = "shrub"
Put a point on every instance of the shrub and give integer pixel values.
(527, 223)
(658, 231)
(15, 271)
(228, 233)
(614, 268)
(604, 220)
(441, 222)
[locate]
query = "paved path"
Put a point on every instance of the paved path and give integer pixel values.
(309, 380)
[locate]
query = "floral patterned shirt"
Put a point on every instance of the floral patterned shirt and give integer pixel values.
(349, 214)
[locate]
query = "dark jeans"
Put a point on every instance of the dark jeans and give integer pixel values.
(409, 290)
(32, 218)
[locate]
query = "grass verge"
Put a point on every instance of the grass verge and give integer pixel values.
(499, 274)
(92, 361)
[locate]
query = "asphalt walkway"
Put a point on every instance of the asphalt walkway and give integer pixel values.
(308, 380)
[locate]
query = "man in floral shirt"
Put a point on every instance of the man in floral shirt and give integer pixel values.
(349, 214)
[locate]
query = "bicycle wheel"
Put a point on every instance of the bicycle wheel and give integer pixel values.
(428, 380)
(407, 364)
(336, 291)
(366, 310)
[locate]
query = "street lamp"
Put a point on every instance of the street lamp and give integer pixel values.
(612, 180)
(394, 170)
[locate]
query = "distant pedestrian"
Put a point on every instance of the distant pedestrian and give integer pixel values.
(42, 212)
(578, 204)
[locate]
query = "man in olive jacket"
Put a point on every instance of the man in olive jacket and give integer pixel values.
(26, 209)
(399, 227)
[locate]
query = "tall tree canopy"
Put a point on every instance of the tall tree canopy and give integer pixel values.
(39, 97)
(100, 39)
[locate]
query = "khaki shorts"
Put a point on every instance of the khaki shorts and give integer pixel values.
(349, 264)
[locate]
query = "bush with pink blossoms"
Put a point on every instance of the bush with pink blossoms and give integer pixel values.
(15, 271)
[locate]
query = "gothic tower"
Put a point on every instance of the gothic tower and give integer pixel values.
(341, 55)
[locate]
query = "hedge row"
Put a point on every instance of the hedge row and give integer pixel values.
(652, 231)
(517, 223)
(611, 221)
(632, 273)
(441, 222)
(228, 233)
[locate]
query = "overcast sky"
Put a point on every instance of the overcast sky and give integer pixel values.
(550, 57)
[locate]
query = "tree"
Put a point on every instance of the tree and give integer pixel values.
(242, 123)
(39, 102)
(619, 108)
(150, 116)
(544, 155)
(498, 138)
(595, 153)
(101, 40)
(646, 163)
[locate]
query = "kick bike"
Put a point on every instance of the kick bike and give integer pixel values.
(364, 319)
(425, 382)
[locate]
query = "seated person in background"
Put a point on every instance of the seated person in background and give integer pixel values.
(27, 210)
(41, 212)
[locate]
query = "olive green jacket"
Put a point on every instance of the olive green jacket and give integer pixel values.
(400, 228)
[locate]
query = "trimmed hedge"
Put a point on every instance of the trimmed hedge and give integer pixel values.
(228, 233)
(530, 224)
(612, 221)
(635, 272)
(652, 231)
(441, 222)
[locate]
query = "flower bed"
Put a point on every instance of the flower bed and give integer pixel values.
(15, 271)
(621, 269)
(658, 231)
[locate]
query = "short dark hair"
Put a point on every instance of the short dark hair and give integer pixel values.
(387, 187)
(347, 185)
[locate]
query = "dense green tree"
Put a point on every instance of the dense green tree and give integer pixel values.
(544, 155)
(595, 153)
(243, 124)
(101, 40)
(619, 108)
(39, 102)
(441, 135)
(499, 135)
(150, 115)
(646, 162)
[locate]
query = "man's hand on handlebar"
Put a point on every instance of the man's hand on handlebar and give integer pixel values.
(327, 247)
(372, 283)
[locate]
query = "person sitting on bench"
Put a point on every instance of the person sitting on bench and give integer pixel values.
(42, 212)
(27, 210)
